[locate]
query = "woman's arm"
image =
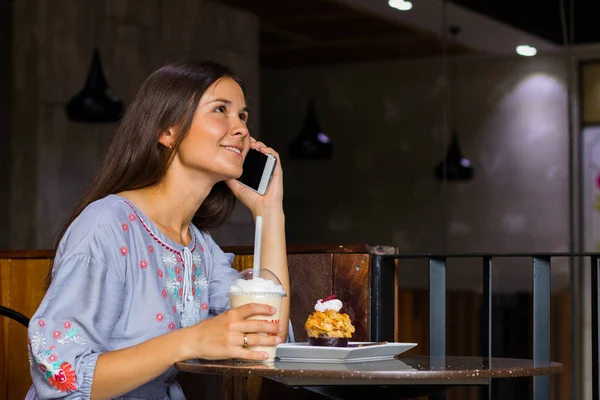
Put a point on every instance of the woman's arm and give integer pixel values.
(221, 337)
(274, 257)
(121, 371)
(270, 208)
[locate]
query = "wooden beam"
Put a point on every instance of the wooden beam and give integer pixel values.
(311, 19)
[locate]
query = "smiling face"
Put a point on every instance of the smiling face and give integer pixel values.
(218, 139)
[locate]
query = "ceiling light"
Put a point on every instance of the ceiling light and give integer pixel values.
(527, 51)
(401, 5)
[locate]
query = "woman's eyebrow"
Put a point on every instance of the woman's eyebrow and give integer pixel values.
(228, 102)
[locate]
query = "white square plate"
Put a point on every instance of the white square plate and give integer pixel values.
(302, 352)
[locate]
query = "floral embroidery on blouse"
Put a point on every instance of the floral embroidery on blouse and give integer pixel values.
(174, 269)
(200, 282)
(169, 259)
(59, 374)
(196, 258)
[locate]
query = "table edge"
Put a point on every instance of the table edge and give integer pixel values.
(251, 370)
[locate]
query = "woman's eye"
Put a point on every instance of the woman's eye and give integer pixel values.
(220, 109)
(244, 117)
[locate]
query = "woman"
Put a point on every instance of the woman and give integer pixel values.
(131, 269)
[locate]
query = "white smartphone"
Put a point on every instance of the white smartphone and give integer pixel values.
(258, 170)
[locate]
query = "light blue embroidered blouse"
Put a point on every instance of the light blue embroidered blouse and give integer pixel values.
(117, 282)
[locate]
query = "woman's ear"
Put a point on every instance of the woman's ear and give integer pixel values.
(167, 138)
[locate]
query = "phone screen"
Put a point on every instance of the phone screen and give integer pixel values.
(254, 170)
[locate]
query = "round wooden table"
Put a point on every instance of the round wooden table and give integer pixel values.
(402, 377)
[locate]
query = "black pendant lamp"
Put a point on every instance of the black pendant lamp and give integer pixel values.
(455, 167)
(311, 143)
(95, 103)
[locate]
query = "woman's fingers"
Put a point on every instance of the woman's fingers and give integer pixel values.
(259, 146)
(269, 150)
(256, 326)
(255, 339)
(240, 349)
(263, 148)
(251, 309)
(230, 334)
(246, 354)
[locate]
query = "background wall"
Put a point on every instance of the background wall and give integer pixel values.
(385, 123)
(384, 118)
(53, 159)
(5, 116)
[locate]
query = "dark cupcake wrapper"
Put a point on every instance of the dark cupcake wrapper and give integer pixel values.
(328, 341)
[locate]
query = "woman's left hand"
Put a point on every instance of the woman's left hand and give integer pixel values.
(273, 198)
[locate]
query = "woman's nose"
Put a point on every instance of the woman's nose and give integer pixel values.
(240, 129)
(240, 132)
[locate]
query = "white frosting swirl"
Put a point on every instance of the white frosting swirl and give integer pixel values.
(258, 285)
(333, 304)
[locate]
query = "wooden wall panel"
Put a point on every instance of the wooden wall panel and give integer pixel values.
(242, 262)
(5, 301)
(413, 320)
(352, 285)
(311, 279)
(27, 282)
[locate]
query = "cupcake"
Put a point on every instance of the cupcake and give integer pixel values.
(327, 326)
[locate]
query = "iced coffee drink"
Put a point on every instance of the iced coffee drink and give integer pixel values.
(265, 289)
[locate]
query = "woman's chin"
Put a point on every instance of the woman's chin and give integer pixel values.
(232, 171)
(229, 176)
(226, 172)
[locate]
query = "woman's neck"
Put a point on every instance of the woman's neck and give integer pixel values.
(172, 203)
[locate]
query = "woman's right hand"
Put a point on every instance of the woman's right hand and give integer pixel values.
(222, 337)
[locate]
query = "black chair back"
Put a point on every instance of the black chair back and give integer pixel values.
(12, 314)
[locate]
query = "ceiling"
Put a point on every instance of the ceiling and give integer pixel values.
(542, 17)
(310, 32)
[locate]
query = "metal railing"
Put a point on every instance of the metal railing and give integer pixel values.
(383, 308)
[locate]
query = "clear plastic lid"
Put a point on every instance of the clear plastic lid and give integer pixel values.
(267, 284)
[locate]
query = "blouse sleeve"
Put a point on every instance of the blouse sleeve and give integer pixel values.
(221, 276)
(73, 324)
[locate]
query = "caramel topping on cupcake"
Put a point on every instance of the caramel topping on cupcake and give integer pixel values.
(329, 323)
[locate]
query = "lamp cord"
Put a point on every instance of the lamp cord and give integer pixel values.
(445, 112)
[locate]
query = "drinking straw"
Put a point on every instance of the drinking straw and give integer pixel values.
(257, 245)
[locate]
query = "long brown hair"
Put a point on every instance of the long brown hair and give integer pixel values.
(135, 159)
